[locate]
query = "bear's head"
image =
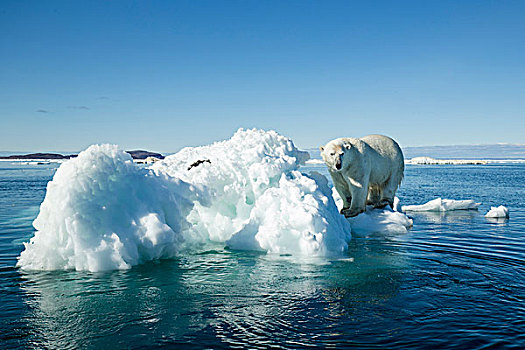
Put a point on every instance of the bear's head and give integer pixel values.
(334, 153)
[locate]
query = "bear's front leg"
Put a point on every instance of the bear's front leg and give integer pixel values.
(346, 205)
(359, 191)
(352, 211)
(342, 188)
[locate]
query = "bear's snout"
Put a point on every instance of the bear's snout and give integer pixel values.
(338, 164)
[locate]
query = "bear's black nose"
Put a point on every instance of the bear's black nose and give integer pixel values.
(338, 166)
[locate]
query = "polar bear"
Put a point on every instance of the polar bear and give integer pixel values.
(365, 171)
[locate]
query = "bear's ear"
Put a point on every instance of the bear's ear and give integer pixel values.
(321, 148)
(348, 145)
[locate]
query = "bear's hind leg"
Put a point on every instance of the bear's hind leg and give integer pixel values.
(374, 196)
(383, 203)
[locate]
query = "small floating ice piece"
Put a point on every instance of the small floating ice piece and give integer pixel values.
(498, 212)
(439, 204)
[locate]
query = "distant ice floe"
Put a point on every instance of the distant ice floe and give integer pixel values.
(441, 205)
(432, 161)
(33, 161)
(314, 161)
(498, 212)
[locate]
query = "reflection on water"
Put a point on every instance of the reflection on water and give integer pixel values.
(72, 310)
(447, 217)
(389, 291)
(218, 297)
(499, 221)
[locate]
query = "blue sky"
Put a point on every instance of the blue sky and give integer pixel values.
(160, 75)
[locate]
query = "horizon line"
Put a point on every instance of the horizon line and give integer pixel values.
(307, 148)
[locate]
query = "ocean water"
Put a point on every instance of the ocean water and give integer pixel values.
(455, 280)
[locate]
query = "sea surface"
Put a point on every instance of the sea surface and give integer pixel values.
(455, 280)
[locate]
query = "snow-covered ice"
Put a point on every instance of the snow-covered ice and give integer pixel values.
(439, 204)
(498, 212)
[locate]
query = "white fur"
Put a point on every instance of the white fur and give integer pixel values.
(364, 171)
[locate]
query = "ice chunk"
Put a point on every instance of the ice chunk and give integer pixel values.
(315, 161)
(439, 204)
(102, 212)
(498, 212)
(296, 217)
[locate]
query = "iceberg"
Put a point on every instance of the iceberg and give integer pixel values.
(103, 212)
(442, 205)
(498, 212)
